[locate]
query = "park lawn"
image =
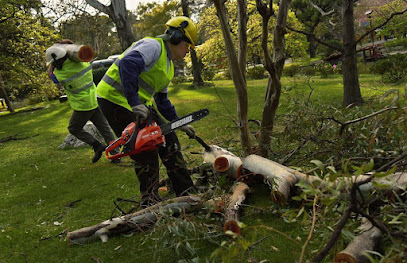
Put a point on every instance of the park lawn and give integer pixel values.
(38, 180)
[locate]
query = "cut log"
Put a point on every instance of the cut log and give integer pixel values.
(360, 245)
(232, 165)
(223, 161)
(232, 212)
(280, 177)
(132, 222)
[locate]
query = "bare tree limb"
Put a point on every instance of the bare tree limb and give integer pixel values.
(313, 37)
(323, 13)
(381, 25)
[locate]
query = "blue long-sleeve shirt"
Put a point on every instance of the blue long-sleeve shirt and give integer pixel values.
(142, 58)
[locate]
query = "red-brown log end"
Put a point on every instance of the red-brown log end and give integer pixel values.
(232, 226)
(221, 164)
(86, 53)
(239, 172)
(277, 197)
(343, 257)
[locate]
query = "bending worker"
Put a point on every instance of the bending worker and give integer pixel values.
(80, 89)
(142, 73)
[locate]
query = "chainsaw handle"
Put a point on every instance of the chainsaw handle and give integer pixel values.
(201, 142)
(129, 145)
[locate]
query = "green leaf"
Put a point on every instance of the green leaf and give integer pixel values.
(318, 164)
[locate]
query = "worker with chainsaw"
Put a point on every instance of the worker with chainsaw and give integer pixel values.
(140, 75)
(76, 76)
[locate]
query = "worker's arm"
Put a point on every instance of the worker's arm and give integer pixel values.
(130, 67)
(165, 106)
(144, 54)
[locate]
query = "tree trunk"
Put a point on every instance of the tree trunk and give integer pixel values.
(274, 66)
(196, 64)
(6, 97)
(312, 47)
(351, 88)
(237, 76)
(118, 13)
(242, 19)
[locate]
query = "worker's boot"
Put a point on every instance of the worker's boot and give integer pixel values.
(98, 148)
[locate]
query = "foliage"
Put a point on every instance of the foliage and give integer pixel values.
(324, 69)
(98, 33)
(179, 79)
(396, 43)
(25, 35)
(212, 51)
(208, 73)
(256, 72)
(397, 26)
(291, 70)
(150, 18)
(392, 68)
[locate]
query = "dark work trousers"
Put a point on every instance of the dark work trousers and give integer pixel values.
(147, 163)
(79, 119)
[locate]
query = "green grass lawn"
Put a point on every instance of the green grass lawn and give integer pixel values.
(38, 180)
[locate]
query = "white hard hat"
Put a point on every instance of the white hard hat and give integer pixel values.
(54, 53)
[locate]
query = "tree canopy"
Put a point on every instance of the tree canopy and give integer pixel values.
(25, 36)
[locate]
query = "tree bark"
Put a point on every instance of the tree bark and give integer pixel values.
(118, 13)
(223, 161)
(232, 211)
(237, 76)
(351, 88)
(6, 97)
(274, 66)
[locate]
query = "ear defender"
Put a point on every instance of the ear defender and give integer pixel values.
(178, 33)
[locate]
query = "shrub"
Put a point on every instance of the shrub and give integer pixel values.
(179, 79)
(308, 70)
(392, 69)
(208, 73)
(363, 68)
(256, 72)
(324, 69)
(291, 70)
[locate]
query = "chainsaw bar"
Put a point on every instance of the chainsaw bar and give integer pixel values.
(190, 118)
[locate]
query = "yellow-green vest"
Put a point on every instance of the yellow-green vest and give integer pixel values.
(77, 79)
(150, 82)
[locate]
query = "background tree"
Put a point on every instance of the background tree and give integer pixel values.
(274, 66)
(25, 35)
(351, 88)
(212, 51)
(237, 75)
(310, 17)
(98, 33)
(118, 13)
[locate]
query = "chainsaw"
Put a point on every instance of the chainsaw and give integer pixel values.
(135, 140)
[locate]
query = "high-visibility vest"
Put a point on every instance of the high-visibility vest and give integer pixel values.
(77, 79)
(150, 82)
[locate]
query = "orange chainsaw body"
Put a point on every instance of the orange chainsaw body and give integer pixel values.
(148, 139)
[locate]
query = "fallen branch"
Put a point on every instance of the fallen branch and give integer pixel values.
(343, 125)
(223, 161)
(15, 138)
(232, 211)
(132, 222)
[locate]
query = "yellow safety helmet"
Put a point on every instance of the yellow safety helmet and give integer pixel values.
(186, 26)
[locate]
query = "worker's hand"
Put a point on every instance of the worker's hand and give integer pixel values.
(141, 110)
(189, 130)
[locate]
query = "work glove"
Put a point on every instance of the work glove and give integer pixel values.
(141, 110)
(189, 130)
